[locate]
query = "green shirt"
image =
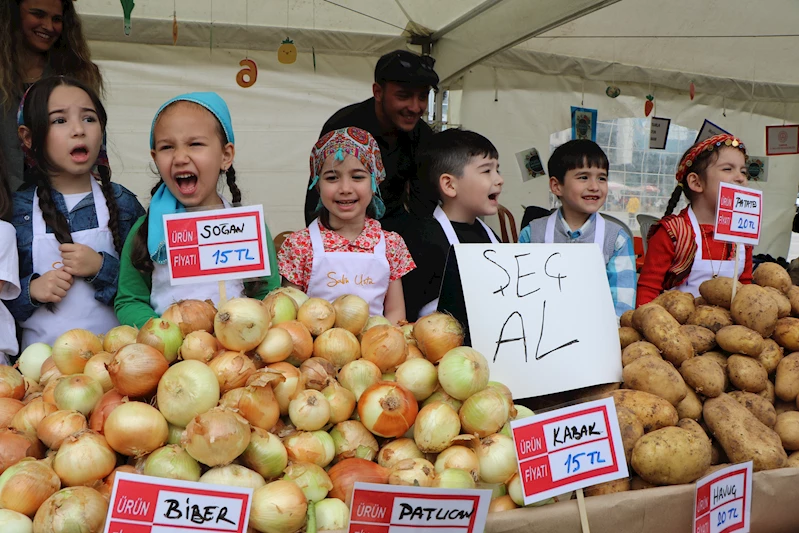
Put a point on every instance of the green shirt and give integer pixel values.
(132, 303)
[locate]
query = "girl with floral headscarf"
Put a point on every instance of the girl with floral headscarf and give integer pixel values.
(345, 251)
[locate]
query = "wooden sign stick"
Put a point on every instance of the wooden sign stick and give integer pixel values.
(222, 293)
(735, 273)
(583, 515)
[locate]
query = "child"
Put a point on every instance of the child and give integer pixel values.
(70, 225)
(462, 167)
(578, 176)
(9, 271)
(681, 252)
(192, 145)
(345, 250)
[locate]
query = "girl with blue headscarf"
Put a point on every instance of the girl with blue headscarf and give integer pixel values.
(192, 145)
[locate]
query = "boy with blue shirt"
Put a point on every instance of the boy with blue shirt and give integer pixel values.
(578, 176)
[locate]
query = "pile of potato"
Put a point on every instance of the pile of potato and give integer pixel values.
(710, 381)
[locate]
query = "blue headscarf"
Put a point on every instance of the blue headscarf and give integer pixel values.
(163, 202)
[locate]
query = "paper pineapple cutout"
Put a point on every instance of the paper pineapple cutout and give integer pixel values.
(287, 53)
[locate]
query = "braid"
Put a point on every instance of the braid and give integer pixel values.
(139, 253)
(113, 209)
(231, 184)
(52, 216)
(675, 197)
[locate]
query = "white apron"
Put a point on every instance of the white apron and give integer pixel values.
(599, 230)
(334, 274)
(452, 238)
(78, 309)
(703, 269)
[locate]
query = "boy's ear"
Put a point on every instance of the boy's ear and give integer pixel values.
(694, 182)
(555, 186)
(448, 184)
(25, 136)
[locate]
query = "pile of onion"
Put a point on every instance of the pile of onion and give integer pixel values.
(241, 323)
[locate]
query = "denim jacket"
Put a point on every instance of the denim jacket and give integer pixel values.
(82, 217)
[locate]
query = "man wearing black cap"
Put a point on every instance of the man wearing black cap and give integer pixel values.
(395, 118)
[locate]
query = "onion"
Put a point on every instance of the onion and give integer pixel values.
(282, 307)
(217, 436)
(331, 514)
(265, 454)
(497, 456)
(436, 334)
(8, 408)
(376, 320)
(84, 458)
(317, 373)
(387, 409)
(29, 417)
(78, 392)
(75, 509)
(317, 315)
(338, 346)
(435, 427)
(515, 491)
(454, 478)
(136, 369)
(388, 376)
(257, 404)
(309, 410)
(232, 369)
(412, 473)
(72, 349)
(503, 503)
(407, 331)
(297, 295)
(96, 369)
(16, 445)
(358, 376)
(31, 359)
(384, 346)
(57, 426)
(352, 439)
(163, 335)
(397, 450)
(459, 457)
(413, 353)
(26, 485)
(520, 412)
(12, 385)
(301, 341)
(233, 476)
(352, 312)
(311, 447)
(49, 372)
(278, 507)
(191, 315)
(288, 389)
(14, 522)
(418, 376)
(107, 485)
(312, 480)
(48, 393)
(462, 372)
(187, 389)
(241, 323)
(172, 462)
(175, 434)
(110, 401)
(135, 429)
(485, 412)
(345, 473)
(341, 400)
(118, 337)
(199, 346)
(277, 345)
(502, 389)
(31, 388)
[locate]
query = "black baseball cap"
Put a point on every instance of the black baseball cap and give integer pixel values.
(402, 66)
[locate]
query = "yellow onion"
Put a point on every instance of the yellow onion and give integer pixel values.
(384, 346)
(503, 503)
(217, 436)
(175, 434)
(233, 475)
(288, 389)
(296, 294)
(436, 334)
(12, 385)
(48, 393)
(485, 412)
(517, 412)
(72, 349)
(191, 315)
(358, 376)
(74, 509)
(515, 491)
(395, 451)
(31, 360)
(78, 392)
(136, 369)
(257, 404)
(187, 389)
(16, 445)
(31, 388)
(301, 341)
(14, 522)
(352, 439)
(278, 507)
(454, 478)
(107, 485)
(387, 409)
(135, 428)
(440, 396)
(352, 312)
(459, 457)
(232, 369)
(312, 480)
(331, 514)
(59, 425)
(29, 417)
(413, 352)
(345, 473)
(49, 372)
(198, 346)
(376, 320)
(8, 408)
(435, 427)
(418, 376)
(407, 331)
(497, 456)
(265, 454)
(110, 401)
(309, 410)
(317, 315)
(118, 337)
(277, 346)
(282, 307)
(317, 373)
(26, 485)
(311, 447)
(341, 401)
(462, 372)
(163, 335)
(96, 369)
(412, 473)
(241, 323)
(84, 458)
(502, 389)
(172, 462)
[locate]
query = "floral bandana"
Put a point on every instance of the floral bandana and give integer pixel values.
(359, 144)
(710, 144)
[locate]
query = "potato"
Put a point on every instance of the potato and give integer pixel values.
(715, 467)
(782, 301)
(679, 304)
(718, 291)
(636, 350)
(793, 462)
(720, 360)
(786, 333)
(772, 275)
(656, 376)
(758, 406)
(671, 456)
(653, 411)
(711, 317)
(636, 483)
(703, 375)
(702, 339)
(626, 319)
(756, 309)
(609, 487)
(740, 339)
(694, 427)
(786, 382)
(742, 435)
(690, 406)
(663, 330)
(717, 455)
(768, 393)
(746, 374)
(700, 301)
(627, 336)
(787, 427)
(631, 429)
(781, 406)
(793, 296)
(771, 355)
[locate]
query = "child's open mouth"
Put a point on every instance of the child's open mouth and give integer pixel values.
(591, 198)
(346, 204)
(79, 154)
(187, 183)
(493, 198)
